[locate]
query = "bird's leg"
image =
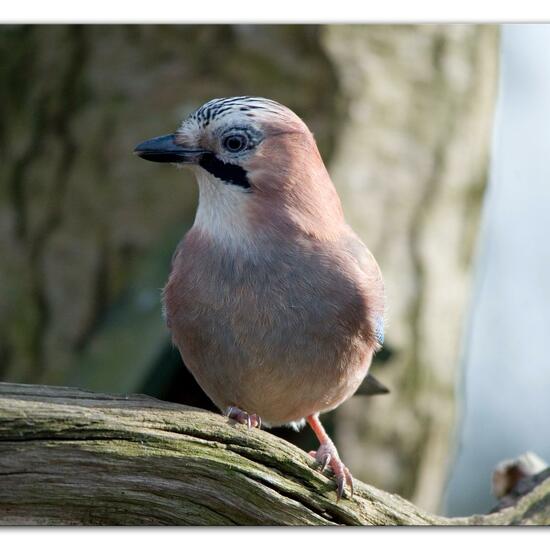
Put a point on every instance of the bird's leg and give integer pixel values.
(327, 455)
(251, 420)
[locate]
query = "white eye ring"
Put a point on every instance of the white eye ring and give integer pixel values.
(234, 143)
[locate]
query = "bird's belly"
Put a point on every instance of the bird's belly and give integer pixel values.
(281, 386)
(280, 361)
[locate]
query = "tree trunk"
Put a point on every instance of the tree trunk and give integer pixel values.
(70, 457)
(410, 165)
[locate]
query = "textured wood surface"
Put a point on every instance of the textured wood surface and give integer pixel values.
(71, 457)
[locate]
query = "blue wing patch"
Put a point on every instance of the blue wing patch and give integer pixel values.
(379, 329)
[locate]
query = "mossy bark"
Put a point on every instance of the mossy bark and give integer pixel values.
(71, 457)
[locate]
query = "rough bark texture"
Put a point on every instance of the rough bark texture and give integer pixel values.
(70, 457)
(410, 164)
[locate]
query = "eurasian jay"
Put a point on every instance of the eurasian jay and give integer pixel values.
(275, 304)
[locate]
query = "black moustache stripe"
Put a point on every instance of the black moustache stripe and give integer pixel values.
(225, 171)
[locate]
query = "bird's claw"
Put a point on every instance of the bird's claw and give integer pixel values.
(328, 456)
(242, 417)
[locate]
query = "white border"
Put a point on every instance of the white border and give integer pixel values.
(280, 11)
(243, 538)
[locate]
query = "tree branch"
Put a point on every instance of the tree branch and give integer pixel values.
(71, 457)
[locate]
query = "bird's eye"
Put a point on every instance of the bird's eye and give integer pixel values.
(235, 142)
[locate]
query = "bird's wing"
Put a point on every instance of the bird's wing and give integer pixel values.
(376, 299)
(366, 262)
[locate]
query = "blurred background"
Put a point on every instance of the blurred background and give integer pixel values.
(438, 141)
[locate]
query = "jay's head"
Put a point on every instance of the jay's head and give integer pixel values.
(250, 155)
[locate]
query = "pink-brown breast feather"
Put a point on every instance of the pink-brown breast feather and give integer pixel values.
(257, 335)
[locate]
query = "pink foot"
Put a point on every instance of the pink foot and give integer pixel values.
(242, 417)
(327, 455)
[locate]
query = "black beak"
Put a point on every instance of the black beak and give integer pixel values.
(165, 149)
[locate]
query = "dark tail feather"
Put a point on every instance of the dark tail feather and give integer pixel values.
(371, 386)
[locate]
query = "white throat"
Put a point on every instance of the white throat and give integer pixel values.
(221, 213)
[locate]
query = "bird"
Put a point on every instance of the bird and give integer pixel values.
(276, 305)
